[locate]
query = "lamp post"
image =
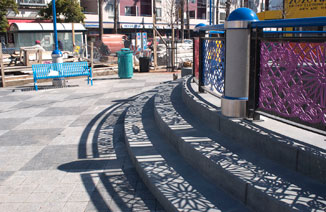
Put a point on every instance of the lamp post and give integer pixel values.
(56, 54)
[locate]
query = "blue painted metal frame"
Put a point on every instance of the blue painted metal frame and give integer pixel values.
(61, 70)
(293, 32)
(295, 22)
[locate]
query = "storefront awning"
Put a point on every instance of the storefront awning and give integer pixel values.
(25, 27)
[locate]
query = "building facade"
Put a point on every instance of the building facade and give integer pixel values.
(136, 15)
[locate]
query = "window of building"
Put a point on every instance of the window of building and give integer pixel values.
(222, 2)
(201, 13)
(193, 1)
(192, 14)
(222, 16)
(110, 9)
(145, 8)
(158, 14)
(131, 11)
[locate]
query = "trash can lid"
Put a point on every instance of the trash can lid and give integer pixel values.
(125, 49)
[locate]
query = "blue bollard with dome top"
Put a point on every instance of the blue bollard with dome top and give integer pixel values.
(237, 63)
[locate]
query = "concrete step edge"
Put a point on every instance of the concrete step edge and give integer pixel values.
(293, 154)
(172, 190)
(246, 185)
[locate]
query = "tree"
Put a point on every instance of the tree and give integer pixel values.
(172, 13)
(4, 6)
(69, 9)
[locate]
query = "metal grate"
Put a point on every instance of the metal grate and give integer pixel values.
(214, 64)
(292, 81)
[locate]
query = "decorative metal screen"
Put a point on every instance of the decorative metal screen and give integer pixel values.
(293, 81)
(213, 64)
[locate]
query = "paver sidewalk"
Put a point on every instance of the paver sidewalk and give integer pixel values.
(63, 149)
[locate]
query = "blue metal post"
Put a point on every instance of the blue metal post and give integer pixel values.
(56, 49)
(210, 12)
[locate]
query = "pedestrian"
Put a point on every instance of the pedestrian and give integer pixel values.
(38, 45)
(60, 45)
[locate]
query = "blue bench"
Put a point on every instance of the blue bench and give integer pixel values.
(61, 70)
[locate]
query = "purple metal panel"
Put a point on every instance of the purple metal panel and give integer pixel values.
(293, 81)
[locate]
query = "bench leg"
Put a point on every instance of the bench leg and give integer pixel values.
(35, 85)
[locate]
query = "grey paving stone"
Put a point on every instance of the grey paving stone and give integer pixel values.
(15, 113)
(14, 98)
(51, 157)
(29, 137)
(82, 120)
(47, 122)
(33, 104)
(62, 111)
(60, 152)
(5, 175)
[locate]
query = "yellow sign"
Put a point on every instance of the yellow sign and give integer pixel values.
(305, 8)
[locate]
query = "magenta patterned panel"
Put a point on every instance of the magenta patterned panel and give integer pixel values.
(293, 81)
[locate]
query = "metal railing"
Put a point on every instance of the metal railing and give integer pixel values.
(287, 78)
(289, 73)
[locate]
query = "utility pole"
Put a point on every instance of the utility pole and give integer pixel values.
(182, 21)
(188, 21)
(154, 34)
(116, 6)
(100, 17)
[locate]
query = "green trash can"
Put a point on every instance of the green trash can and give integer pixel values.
(125, 64)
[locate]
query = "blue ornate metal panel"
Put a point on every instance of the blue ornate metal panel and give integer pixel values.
(213, 64)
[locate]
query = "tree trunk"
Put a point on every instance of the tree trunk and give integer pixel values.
(217, 11)
(188, 20)
(227, 9)
(100, 18)
(182, 20)
(116, 7)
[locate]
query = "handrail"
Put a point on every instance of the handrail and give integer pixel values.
(293, 32)
(216, 32)
(210, 28)
(295, 22)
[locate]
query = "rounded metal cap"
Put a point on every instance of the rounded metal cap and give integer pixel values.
(57, 52)
(243, 14)
(200, 25)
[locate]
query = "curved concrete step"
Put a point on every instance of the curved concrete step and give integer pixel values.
(259, 183)
(297, 149)
(174, 183)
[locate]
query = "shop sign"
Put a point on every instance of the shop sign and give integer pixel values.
(131, 26)
(304, 8)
